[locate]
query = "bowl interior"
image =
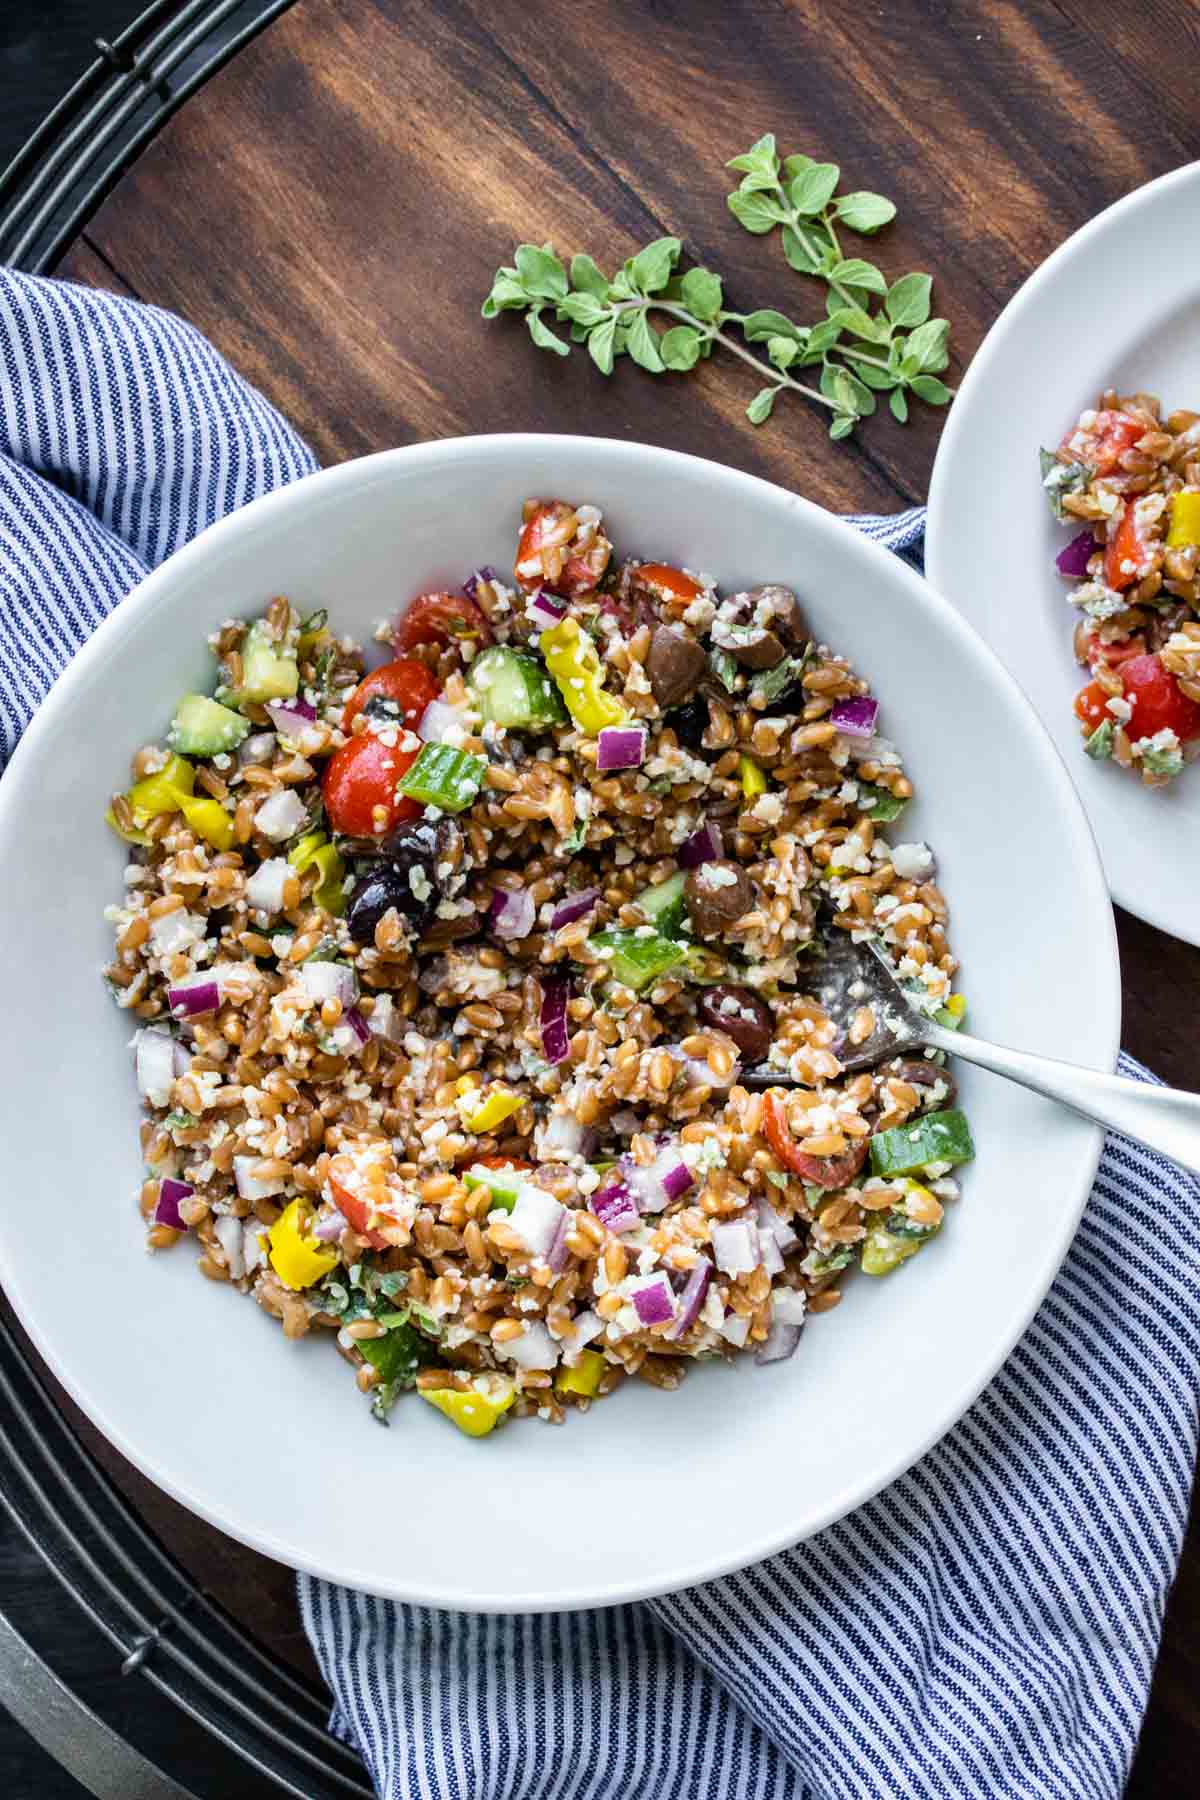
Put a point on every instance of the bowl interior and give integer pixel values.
(269, 1440)
(1113, 307)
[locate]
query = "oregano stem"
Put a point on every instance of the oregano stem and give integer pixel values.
(776, 377)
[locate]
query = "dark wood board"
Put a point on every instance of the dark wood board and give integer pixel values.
(330, 208)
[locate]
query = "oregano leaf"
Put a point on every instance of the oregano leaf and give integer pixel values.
(927, 344)
(644, 344)
(759, 409)
(842, 425)
(907, 301)
(759, 326)
(651, 268)
(700, 292)
(586, 278)
(854, 272)
(930, 389)
(600, 345)
(680, 347)
(812, 189)
(865, 212)
(543, 337)
(759, 213)
(899, 405)
(541, 274)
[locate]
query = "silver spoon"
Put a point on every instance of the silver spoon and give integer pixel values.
(845, 976)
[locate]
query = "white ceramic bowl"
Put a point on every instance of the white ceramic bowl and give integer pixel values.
(1117, 306)
(269, 1440)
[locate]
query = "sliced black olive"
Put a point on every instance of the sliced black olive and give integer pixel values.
(407, 880)
(690, 722)
(742, 1015)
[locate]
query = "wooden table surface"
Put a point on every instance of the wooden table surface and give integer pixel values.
(330, 209)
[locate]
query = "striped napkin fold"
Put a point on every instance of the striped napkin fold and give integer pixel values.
(986, 1627)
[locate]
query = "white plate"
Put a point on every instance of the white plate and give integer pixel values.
(1117, 305)
(270, 1440)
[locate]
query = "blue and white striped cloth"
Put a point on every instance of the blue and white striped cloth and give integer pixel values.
(986, 1628)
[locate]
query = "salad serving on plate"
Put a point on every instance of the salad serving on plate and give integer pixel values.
(472, 1012)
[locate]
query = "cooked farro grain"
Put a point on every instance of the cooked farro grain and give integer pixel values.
(471, 998)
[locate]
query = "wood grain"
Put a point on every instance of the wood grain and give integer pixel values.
(330, 209)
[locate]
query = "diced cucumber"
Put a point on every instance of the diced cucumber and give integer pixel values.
(514, 690)
(268, 671)
(664, 904)
(882, 805)
(885, 1250)
(937, 1137)
(505, 1184)
(203, 727)
(637, 961)
(445, 777)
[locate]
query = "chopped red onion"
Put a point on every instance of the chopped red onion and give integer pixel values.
(857, 717)
(512, 912)
(621, 747)
(574, 907)
(654, 1299)
(257, 749)
(437, 719)
(536, 1218)
(781, 1343)
(330, 1229)
(323, 981)
(543, 610)
(616, 1208)
(735, 1249)
(281, 815)
(556, 991)
(291, 718)
(656, 1184)
(471, 584)
(588, 1325)
(156, 1064)
(229, 1234)
(166, 1207)
(703, 846)
(358, 1025)
(699, 1073)
(1073, 561)
(735, 1330)
(776, 1224)
(563, 1135)
(556, 1255)
(788, 1306)
(197, 993)
(692, 1297)
(769, 1253)
(387, 1021)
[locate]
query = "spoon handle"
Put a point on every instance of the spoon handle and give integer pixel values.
(1162, 1118)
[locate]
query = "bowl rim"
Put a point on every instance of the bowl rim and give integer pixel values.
(995, 342)
(1079, 845)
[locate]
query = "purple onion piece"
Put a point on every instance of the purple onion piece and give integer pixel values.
(166, 1207)
(471, 584)
(512, 913)
(330, 1230)
(552, 1018)
(358, 1025)
(703, 846)
(556, 1255)
(781, 1343)
(574, 907)
(1073, 561)
(544, 611)
(291, 717)
(857, 717)
(194, 996)
(692, 1297)
(621, 747)
(616, 1208)
(653, 1301)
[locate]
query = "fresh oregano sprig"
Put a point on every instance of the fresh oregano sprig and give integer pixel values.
(615, 316)
(898, 348)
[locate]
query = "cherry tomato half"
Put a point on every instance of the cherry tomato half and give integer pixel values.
(356, 1212)
(667, 583)
(542, 549)
(1091, 706)
(1158, 705)
(1126, 555)
(407, 682)
(359, 787)
(1112, 654)
(1102, 444)
(441, 619)
(821, 1171)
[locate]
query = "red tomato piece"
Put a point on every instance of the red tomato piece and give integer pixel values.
(1112, 654)
(1158, 705)
(441, 619)
(359, 787)
(1127, 553)
(1091, 706)
(544, 556)
(667, 583)
(821, 1171)
(1102, 444)
(500, 1162)
(356, 1212)
(406, 682)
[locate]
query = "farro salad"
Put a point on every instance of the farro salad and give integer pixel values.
(1132, 478)
(470, 991)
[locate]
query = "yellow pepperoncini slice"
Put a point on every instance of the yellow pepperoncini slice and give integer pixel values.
(571, 658)
(297, 1258)
(582, 1377)
(475, 1410)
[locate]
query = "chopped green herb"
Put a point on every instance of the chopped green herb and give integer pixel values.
(1059, 478)
(882, 805)
(724, 668)
(1099, 744)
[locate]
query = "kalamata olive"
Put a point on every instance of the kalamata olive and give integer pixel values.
(675, 664)
(763, 650)
(717, 894)
(690, 722)
(919, 1072)
(779, 608)
(407, 880)
(742, 1015)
